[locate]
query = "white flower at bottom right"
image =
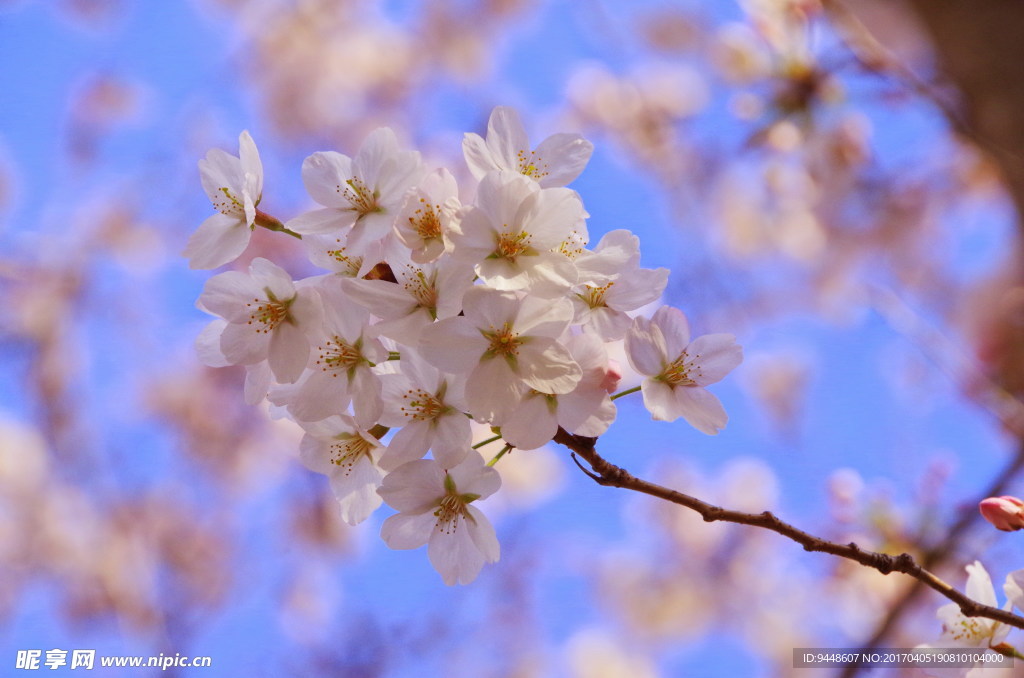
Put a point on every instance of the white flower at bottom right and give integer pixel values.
(678, 369)
(435, 508)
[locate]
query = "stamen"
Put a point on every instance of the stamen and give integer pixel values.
(362, 199)
(682, 370)
(426, 220)
(337, 356)
(348, 450)
(532, 166)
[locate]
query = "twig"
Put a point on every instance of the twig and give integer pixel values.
(605, 473)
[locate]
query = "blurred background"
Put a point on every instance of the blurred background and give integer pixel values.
(820, 180)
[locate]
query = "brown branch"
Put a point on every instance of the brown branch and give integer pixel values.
(605, 473)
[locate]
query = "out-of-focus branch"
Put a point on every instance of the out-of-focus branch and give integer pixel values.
(604, 472)
(979, 48)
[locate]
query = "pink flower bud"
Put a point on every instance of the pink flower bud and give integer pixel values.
(1005, 513)
(612, 375)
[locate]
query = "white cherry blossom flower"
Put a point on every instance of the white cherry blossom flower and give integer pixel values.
(504, 343)
(514, 231)
(428, 404)
(361, 195)
(422, 294)
(555, 162)
(267, 318)
(613, 284)
(425, 222)
(234, 186)
(349, 456)
(586, 410)
(435, 508)
(678, 369)
(339, 370)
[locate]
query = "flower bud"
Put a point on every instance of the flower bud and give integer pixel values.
(1005, 513)
(612, 375)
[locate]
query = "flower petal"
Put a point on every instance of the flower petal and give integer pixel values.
(218, 240)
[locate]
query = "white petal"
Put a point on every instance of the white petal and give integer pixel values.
(218, 171)
(319, 395)
(506, 137)
(452, 344)
(208, 345)
(407, 530)
(543, 317)
(269, 276)
(288, 352)
(979, 585)
(251, 166)
(674, 327)
(324, 175)
(548, 369)
(357, 491)
(473, 476)
(218, 240)
(637, 288)
(414, 487)
(492, 390)
(564, 157)
(242, 345)
(452, 439)
(409, 444)
(715, 355)
(226, 294)
(659, 400)
(532, 424)
(1014, 588)
(701, 409)
(478, 156)
(257, 382)
(482, 532)
(386, 300)
(455, 555)
(645, 347)
(323, 221)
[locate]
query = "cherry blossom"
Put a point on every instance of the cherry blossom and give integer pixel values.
(678, 369)
(555, 162)
(267, 318)
(361, 195)
(505, 343)
(349, 456)
(339, 369)
(427, 218)
(428, 404)
(422, 294)
(435, 508)
(513, 233)
(614, 284)
(235, 187)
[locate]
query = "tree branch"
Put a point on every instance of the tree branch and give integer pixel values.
(605, 473)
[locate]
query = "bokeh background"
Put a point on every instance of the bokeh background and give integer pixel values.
(816, 183)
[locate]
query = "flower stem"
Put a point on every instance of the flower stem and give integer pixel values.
(273, 224)
(484, 442)
(499, 455)
(625, 393)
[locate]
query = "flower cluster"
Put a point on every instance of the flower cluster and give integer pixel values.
(442, 303)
